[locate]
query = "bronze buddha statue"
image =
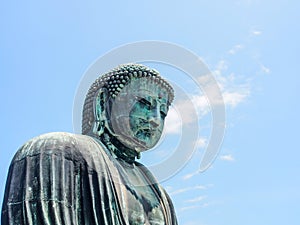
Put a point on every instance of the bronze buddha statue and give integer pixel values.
(94, 178)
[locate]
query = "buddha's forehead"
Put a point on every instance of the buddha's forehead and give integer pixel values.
(145, 88)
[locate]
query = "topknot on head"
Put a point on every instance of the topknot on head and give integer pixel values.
(119, 77)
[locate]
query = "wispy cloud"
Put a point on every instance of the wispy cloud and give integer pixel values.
(195, 173)
(173, 122)
(191, 207)
(235, 97)
(201, 104)
(196, 106)
(235, 49)
(228, 157)
(234, 92)
(183, 190)
(190, 175)
(197, 199)
(222, 65)
(186, 111)
(256, 32)
(201, 143)
(265, 69)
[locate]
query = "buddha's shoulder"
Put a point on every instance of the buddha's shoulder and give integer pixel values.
(68, 145)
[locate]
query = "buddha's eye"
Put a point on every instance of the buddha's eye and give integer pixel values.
(144, 102)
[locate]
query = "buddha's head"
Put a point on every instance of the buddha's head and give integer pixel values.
(128, 105)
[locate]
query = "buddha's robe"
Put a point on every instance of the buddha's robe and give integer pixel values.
(69, 179)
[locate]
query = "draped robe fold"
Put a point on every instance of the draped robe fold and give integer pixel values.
(69, 179)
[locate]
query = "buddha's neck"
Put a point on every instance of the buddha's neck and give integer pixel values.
(117, 148)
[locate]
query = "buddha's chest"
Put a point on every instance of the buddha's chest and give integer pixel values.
(144, 205)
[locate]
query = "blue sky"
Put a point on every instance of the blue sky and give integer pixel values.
(252, 48)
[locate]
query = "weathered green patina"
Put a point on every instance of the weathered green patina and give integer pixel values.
(94, 178)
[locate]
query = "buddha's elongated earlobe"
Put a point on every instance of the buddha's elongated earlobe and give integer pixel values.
(99, 112)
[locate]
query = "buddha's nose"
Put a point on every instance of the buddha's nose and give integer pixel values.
(154, 117)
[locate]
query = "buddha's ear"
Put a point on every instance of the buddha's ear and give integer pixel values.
(100, 103)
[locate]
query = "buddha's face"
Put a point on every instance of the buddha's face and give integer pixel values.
(138, 114)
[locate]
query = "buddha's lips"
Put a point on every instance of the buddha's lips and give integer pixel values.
(145, 130)
(148, 131)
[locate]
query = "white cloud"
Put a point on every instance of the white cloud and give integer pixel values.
(193, 207)
(190, 110)
(189, 207)
(186, 111)
(222, 65)
(235, 49)
(201, 143)
(205, 204)
(190, 175)
(183, 190)
(201, 104)
(228, 157)
(232, 89)
(197, 199)
(234, 92)
(234, 98)
(173, 122)
(256, 32)
(265, 69)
